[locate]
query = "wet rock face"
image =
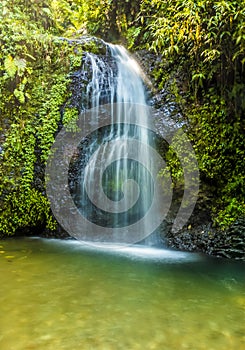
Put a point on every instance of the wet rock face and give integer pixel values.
(80, 80)
(203, 238)
(234, 241)
(93, 50)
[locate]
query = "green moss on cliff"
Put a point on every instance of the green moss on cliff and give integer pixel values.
(202, 44)
(34, 80)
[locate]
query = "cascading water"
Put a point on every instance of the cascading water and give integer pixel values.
(115, 189)
(102, 178)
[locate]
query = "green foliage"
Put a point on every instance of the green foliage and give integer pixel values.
(69, 119)
(203, 43)
(108, 19)
(131, 36)
(219, 145)
(34, 68)
(207, 37)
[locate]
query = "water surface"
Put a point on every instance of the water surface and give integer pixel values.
(64, 295)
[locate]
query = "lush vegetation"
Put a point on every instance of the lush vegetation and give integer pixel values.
(33, 81)
(202, 44)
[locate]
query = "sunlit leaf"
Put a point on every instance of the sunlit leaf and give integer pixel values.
(10, 66)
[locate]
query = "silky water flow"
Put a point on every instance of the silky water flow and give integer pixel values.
(125, 183)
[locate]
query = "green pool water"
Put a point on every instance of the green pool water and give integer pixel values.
(65, 295)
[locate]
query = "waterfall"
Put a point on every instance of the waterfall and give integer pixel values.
(102, 176)
(115, 189)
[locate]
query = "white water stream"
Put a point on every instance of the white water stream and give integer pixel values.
(114, 178)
